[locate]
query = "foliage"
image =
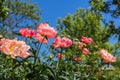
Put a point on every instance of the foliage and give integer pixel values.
(49, 67)
(106, 6)
(22, 14)
(87, 23)
(109, 7)
(75, 55)
(4, 11)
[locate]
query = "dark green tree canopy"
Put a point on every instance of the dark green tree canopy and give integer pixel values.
(3, 10)
(109, 7)
(22, 14)
(87, 23)
(84, 23)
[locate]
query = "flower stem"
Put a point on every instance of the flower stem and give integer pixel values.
(37, 52)
(13, 77)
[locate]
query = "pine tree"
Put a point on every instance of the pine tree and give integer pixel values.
(22, 14)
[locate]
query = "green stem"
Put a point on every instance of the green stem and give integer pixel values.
(13, 77)
(57, 65)
(37, 52)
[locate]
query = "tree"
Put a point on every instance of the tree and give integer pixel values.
(84, 23)
(78, 62)
(4, 10)
(109, 7)
(22, 14)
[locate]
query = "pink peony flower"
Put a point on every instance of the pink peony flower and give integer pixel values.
(106, 56)
(41, 38)
(14, 48)
(46, 30)
(65, 42)
(60, 56)
(25, 55)
(27, 32)
(57, 42)
(86, 40)
(62, 42)
(77, 59)
(85, 51)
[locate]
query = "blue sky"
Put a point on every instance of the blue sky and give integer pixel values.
(54, 9)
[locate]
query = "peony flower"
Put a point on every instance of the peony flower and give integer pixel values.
(77, 59)
(90, 40)
(57, 42)
(14, 48)
(86, 40)
(85, 51)
(62, 42)
(25, 55)
(65, 42)
(106, 56)
(60, 56)
(41, 38)
(46, 30)
(27, 32)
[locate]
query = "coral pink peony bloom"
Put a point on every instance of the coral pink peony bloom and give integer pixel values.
(25, 55)
(62, 42)
(27, 32)
(60, 56)
(65, 42)
(14, 48)
(77, 59)
(46, 30)
(41, 38)
(57, 42)
(86, 40)
(85, 51)
(106, 56)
